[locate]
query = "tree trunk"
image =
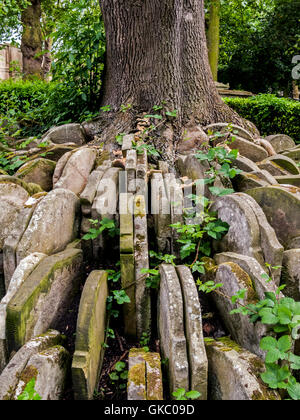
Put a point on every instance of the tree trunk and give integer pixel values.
(213, 37)
(47, 59)
(32, 43)
(157, 53)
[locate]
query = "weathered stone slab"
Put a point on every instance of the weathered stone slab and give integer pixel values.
(193, 329)
(252, 268)
(234, 373)
(127, 143)
(154, 377)
(243, 236)
(68, 133)
(245, 164)
(175, 196)
(289, 180)
(171, 328)
(10, 376)
(106, 200)
(194, 169)
(233, 279)
(136, 387)
(160, 208)
(89, 193)
(142, 175)
(12, 199)
(291, 273)
(55, 151)
(54, 224)
(141, 256)
(294, 243)
(77, 170)
(248, 180)
(50, 369)
(24, 269)
(129, 285)
(38, 171)
(60, 166)
(280, 205)
(246, 148)
(90, 336)
(126, 223)
(144, 376)
(272, 168)
(30, 188)
(232, 128)
(10, 245)
(130, 166)
(293, 154)
(281, 142)
(285, 163)
(271, 247)
(44, 297)
(105, 204)
(163, 167)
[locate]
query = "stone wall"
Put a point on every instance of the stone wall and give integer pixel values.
(8, 55)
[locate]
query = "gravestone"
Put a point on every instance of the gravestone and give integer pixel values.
(171, 328)
(194, 332)
(280, 205)
(233, 279)
(144, 376)
(43, 299)
(234, 373)
(90, 336)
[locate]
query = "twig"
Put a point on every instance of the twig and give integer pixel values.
(119, 341)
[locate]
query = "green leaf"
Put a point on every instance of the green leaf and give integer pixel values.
(267, 316)
(268, 343)
(294, 390)
(284, 315)
(193, 395)
(275, 376)
(284, 343)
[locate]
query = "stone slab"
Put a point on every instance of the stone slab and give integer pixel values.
(171, 328)
(10, 375)
(43, 299)
(198, 364)
(235, 373)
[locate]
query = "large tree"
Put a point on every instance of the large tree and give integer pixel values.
(157, 53)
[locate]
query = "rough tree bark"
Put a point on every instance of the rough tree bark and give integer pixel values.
(32, 42)
(157, 52)
(213, 37)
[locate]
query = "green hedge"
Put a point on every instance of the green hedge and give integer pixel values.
(23, 103)
(270, 114)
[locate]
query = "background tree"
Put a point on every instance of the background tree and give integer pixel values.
(32, 40)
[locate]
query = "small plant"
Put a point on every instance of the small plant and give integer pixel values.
(182, 395)
(119, 376)
(119, 297)
(152, 275)
(282, 316)
(29, 393)
(144, 341)
(99, 227)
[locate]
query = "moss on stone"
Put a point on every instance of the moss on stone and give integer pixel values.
(245, 280)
